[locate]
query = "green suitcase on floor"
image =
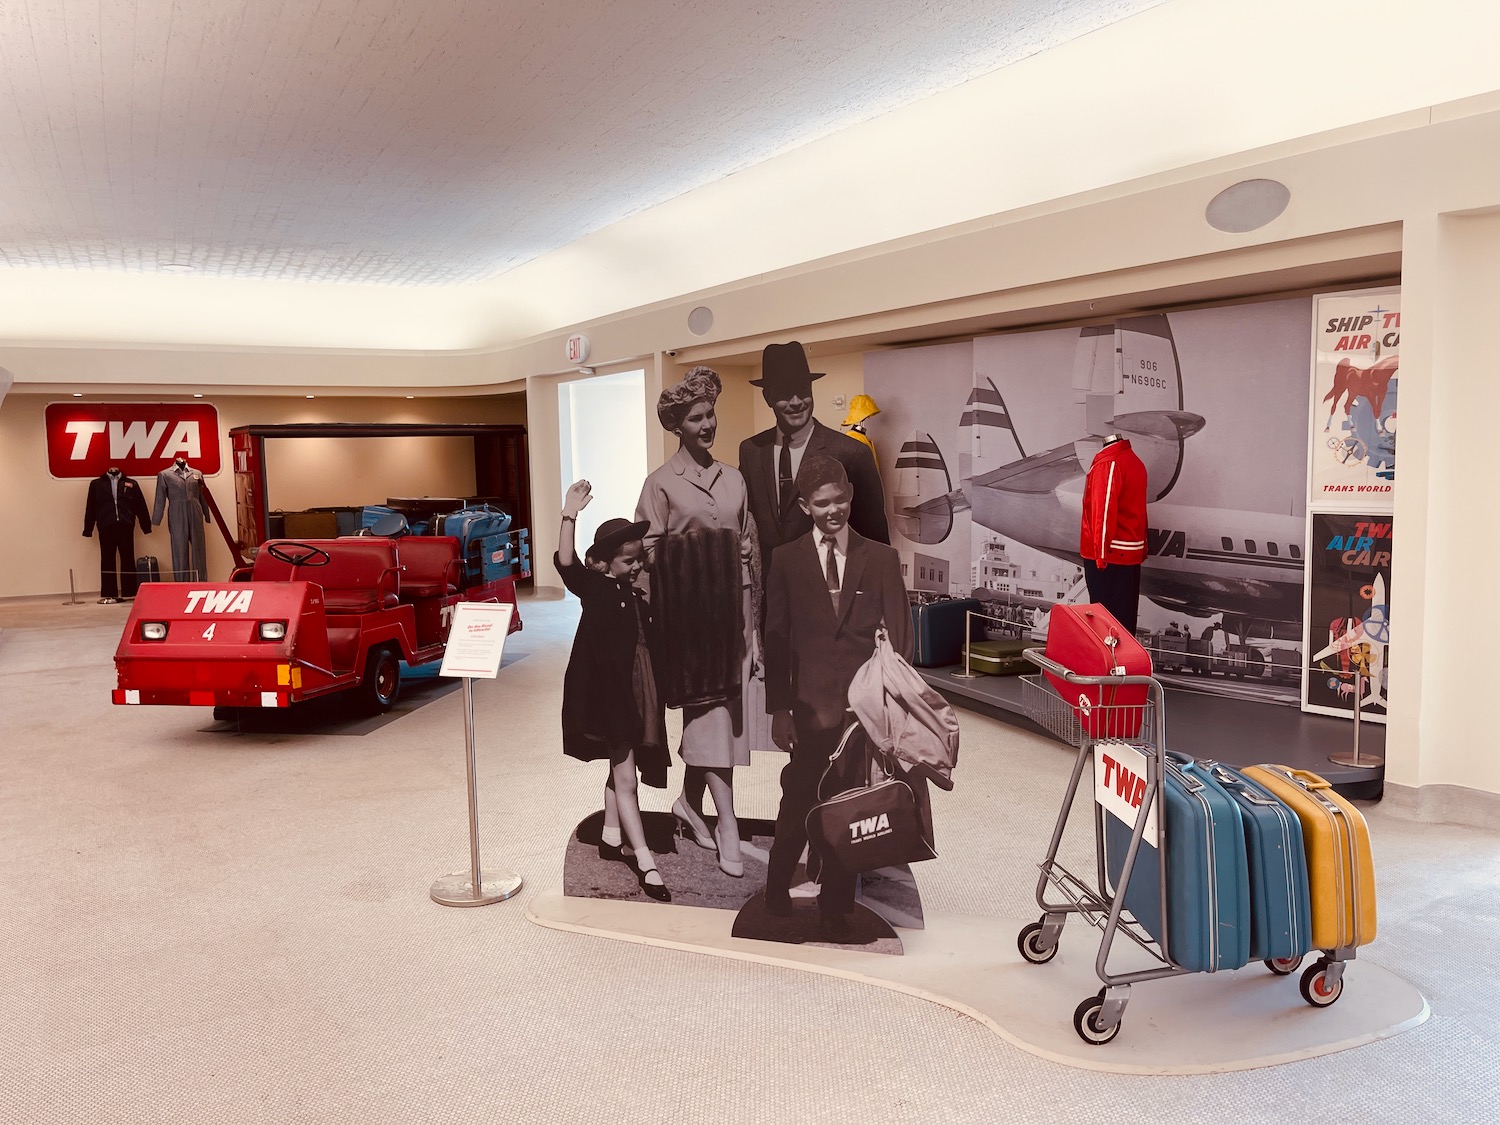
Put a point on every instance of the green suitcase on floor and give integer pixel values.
(999, 658)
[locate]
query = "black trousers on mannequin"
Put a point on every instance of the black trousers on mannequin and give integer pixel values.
(117, 549)
(1117, 588)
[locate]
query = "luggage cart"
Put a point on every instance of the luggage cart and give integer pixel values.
(1097, 1018)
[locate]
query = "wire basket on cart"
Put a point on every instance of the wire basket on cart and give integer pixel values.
(1135, 730)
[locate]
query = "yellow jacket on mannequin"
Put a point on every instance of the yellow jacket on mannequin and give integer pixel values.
(861, 408)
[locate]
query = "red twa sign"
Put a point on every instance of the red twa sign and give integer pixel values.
(138, 438)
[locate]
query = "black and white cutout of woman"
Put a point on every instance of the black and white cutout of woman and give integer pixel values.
(611, 711)
(703, 552)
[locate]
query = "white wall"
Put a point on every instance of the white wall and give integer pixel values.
(602, 432)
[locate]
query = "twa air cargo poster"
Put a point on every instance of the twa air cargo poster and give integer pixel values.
(1355, 370)
(990, 465)
(1348, 614)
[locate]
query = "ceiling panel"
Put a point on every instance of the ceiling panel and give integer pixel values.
(436, 141)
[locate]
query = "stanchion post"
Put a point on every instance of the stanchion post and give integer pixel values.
(968, 636)
(72, 590)
(1354, 759)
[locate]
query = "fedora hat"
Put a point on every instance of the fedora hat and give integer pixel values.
(614, 532)
(783, 367)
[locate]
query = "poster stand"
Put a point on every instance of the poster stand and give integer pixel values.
(1353, 758)
(476, 643)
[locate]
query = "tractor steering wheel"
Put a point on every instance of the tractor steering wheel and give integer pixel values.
(309, 556)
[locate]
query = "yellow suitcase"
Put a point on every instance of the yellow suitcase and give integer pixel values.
(1340, 870)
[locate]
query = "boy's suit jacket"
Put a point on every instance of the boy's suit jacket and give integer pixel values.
(811, 654)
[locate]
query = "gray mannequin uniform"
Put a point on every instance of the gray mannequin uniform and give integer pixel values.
(179, 495)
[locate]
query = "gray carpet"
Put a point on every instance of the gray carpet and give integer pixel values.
(235, 928)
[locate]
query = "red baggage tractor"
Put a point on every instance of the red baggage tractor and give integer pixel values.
(1088, 641)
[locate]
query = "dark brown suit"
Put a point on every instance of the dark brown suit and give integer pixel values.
(812, 654)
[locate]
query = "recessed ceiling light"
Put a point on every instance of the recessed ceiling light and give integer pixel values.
(312, 396)
(198, 394)
(77, 394)
(411, 396)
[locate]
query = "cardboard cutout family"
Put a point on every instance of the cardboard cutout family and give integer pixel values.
(771, 586)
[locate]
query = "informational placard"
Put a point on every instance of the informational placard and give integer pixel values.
(476, 641)
(1120, 784)
(1355, 364)
(1348, 613)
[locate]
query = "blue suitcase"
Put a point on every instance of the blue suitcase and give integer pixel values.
(483, 541)
(1208, 892)
(938, 631)
(1280, 906)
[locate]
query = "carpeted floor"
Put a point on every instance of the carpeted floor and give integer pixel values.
(234, 927)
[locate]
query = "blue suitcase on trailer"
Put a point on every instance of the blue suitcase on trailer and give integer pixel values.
(1208, 893)
(1280, 906)
(483, 541)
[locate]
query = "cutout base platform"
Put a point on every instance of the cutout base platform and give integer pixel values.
(1195, 1024)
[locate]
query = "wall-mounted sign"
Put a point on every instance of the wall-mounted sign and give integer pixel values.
(578, 348)
(139, 438)
(1348, 613)
(1355, 369)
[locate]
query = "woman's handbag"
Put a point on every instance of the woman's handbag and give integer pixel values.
(873, 825)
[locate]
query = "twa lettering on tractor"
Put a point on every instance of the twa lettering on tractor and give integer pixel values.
(310, 618)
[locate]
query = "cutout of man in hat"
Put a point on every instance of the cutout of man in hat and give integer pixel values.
(769, 460)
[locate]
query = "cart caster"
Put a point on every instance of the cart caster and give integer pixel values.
(1086, 1021)
(1029, 942)
(1284, 966)
(1323, 983)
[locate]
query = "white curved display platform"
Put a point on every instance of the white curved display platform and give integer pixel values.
(1194, 1024)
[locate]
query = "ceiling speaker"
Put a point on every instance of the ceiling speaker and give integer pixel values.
(1247, 205)
(700, 320)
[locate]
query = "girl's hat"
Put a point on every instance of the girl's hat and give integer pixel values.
(612, 533)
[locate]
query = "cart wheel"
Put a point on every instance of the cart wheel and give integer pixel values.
(1029, 942)
(1284, 966)
(1315, 987)
(1085, 1022)
(382, 682)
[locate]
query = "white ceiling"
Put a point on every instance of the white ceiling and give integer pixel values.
(437, 141)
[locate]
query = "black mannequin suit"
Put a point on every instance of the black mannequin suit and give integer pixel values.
(115, 505)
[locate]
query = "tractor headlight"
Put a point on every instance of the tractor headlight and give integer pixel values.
(153, 630)
(272, 630)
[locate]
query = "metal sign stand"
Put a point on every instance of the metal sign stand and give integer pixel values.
(474, 887)
(1354, 758)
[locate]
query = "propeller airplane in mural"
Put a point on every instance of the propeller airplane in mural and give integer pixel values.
(1245, 566)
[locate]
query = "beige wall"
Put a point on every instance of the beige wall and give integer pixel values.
(44, 516)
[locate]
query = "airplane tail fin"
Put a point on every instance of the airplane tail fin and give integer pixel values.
(923, 494)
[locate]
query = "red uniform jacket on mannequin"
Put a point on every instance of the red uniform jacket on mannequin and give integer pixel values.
(1114, 508)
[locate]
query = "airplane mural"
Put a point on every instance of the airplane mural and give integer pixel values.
(1245, 566)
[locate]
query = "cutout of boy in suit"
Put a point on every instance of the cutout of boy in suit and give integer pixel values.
(827, 594)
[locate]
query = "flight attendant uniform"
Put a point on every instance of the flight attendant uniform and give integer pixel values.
(1112, 539)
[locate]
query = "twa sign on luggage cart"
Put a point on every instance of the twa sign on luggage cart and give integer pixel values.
(1120, 784)
(139, 438)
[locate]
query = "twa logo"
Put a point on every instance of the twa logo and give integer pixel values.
(141, 439)
(219, 601)
(868, 828)
(1120, 784)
